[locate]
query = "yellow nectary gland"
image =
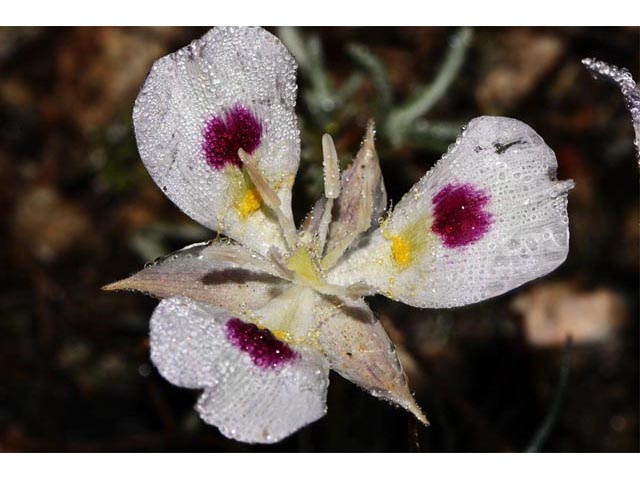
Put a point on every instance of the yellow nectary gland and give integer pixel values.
(401, 251)
(250, 202)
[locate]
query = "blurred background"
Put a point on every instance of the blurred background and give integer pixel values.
(79, 211)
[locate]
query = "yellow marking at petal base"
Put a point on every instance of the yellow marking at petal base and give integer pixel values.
(282, 335)
(301, 262)
(400, 251)
(408, 244)
(246, 199)
(249, 203)
(310, 339)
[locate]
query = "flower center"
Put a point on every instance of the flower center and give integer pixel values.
(302, 263)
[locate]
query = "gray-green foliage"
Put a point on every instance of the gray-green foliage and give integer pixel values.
(402, 123)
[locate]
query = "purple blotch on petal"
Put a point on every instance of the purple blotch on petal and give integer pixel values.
(265, 350)
(225, 135)
(459, 217)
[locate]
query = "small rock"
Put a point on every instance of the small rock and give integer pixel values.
(519, 62)
(553, 311)
(48, 225)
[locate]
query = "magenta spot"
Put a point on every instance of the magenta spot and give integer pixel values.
(265, 350)
(225, 135)
(459, 217)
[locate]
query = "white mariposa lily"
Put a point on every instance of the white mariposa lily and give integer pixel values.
(258, 319)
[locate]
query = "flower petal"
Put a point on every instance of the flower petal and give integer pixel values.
(257, 389)
(358, 348)
(487, 218)
(233, 88)
(628, 87)
(218, 273)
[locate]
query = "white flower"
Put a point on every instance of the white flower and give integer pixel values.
(257, 320)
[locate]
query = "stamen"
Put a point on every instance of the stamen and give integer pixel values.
(325, 221)
(279, 264)
(331, 186)
(270, 198)
(333, 255)
(245, 197)
(362, 209)
(331, 168)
